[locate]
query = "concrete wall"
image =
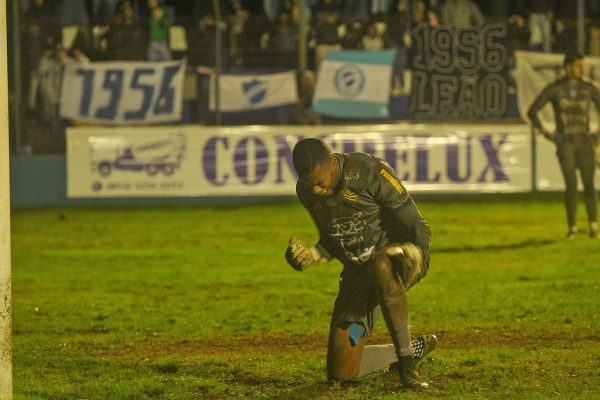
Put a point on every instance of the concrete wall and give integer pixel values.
(41, 181)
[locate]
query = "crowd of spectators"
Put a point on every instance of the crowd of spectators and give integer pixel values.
(257, 34)
(264, 33)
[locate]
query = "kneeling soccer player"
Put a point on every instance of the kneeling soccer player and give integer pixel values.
(368, 221)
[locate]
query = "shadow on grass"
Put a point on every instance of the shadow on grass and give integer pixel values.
(382, 383)
(497, 246)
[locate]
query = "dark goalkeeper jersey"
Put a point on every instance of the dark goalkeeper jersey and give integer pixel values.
(369, 209)
(571, 101)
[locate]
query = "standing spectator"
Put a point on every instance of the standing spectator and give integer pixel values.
(326, 6)
(373, 39)
(283, 42)
(327, 21)
(540, 25)
(46, 15)
(571, 100)
(238, 25)
(39, 31)
(100, 11)
(517, 36)
(126, 36)
(398, 33)
(422, 13)
(35, 41)
(462, 14)
(380, 8)
(356, 10)
(74, 12)
(352, 40)
(50, 71)
(159, 24)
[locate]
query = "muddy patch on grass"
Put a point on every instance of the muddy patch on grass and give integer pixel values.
(270, 344)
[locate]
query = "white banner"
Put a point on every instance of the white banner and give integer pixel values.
(257, 160)
(250, 92)
(123, 92)
(535, 71)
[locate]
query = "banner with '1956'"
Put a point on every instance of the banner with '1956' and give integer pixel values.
(123, 93)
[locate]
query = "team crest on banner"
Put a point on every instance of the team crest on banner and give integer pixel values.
(354, 84)
(349, 80)
(255, 91)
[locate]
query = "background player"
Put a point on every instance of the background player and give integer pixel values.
(571, 99)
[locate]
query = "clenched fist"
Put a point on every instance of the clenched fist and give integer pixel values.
(299, 256)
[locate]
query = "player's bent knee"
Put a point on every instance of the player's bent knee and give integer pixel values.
(381, 265)
(342, 373)
(385, 265)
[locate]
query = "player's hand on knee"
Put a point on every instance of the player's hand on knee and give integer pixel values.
(299, 256)
(410, 254)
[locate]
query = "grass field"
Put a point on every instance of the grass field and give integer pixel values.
(198, 303)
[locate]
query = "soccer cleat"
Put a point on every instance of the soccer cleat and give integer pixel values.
(409, 377)
(594, 235)
(423, 345)
(571, 234)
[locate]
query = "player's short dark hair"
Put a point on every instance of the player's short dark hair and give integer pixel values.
(310, 153)
(571, 57)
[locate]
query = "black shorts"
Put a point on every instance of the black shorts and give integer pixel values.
(357, 299)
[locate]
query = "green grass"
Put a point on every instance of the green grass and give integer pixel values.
(198, 303)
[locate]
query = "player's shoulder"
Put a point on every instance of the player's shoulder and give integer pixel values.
(359, 162)
(359, 168)
(588, 85)
(556, 85)
(359, 159)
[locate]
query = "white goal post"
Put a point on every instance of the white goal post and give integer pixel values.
(5, 278)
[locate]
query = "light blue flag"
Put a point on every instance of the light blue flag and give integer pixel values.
(354, 84)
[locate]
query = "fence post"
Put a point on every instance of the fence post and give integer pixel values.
(533, 161)
(5, 280)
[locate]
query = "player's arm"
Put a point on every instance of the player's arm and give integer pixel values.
(298, 255)
(392, 195)
(596, 100)
(534, 109)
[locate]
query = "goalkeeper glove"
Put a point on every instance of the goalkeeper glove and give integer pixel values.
(410, 254)
(299, 256)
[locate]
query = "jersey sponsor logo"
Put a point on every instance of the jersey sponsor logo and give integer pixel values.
(347, 231)
(352, 175)
(349, 196)
(392, 180)
(345, 227)
(362, 257)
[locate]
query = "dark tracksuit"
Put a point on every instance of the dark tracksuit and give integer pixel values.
(369, 210)
(571, 100)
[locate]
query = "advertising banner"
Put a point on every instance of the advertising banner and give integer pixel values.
(257, 160)
(123, 93)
